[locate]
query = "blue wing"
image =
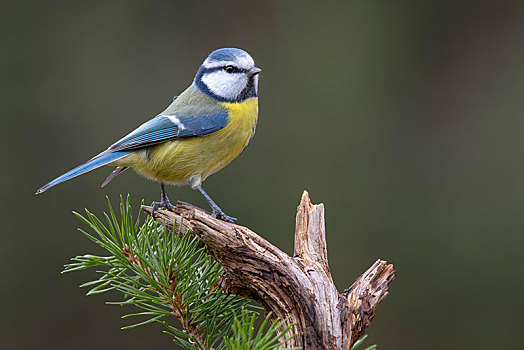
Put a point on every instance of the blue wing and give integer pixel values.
(159, 129)
(170, 127)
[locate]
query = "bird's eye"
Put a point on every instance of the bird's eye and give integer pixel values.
(230, 69)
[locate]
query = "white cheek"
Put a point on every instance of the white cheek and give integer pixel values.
(225, 84)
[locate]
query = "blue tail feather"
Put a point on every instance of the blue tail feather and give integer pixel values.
(92, 164)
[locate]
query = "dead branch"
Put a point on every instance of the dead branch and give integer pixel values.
(298, 287)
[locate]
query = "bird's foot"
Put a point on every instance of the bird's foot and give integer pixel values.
(217, 212)
(163, 204)
(222, 216)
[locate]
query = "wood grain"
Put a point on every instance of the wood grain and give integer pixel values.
(299, 288)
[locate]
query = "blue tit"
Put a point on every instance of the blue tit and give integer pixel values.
(200, 132)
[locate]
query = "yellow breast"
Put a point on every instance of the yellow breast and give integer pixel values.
(174, 161)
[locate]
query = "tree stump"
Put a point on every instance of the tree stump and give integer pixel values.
(299, 288)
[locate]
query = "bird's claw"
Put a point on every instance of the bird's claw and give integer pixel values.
(222, 216)
(166, 204)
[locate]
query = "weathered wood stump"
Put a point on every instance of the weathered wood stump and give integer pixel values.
(299, 288)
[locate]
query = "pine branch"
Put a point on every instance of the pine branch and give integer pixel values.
(166, 273)
(243, 337)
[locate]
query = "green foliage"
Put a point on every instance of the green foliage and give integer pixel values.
(360, 341)
(243, 337)
(168, 275)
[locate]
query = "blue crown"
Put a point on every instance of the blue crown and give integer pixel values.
(225, 54)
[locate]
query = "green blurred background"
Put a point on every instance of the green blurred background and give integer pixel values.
(403, 117)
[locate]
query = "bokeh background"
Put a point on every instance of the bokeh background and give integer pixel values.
(403, 117)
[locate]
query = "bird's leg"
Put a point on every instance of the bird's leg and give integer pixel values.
(217, 212)
(164, 202)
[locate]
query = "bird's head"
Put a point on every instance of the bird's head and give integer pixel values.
(228, 75)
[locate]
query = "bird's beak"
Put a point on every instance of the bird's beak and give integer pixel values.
(254, 71)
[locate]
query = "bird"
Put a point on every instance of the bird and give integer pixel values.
(201, 131)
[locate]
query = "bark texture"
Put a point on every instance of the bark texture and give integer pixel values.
(298, 287)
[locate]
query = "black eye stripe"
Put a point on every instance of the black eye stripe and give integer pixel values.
(214, 69)
(233, 69)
